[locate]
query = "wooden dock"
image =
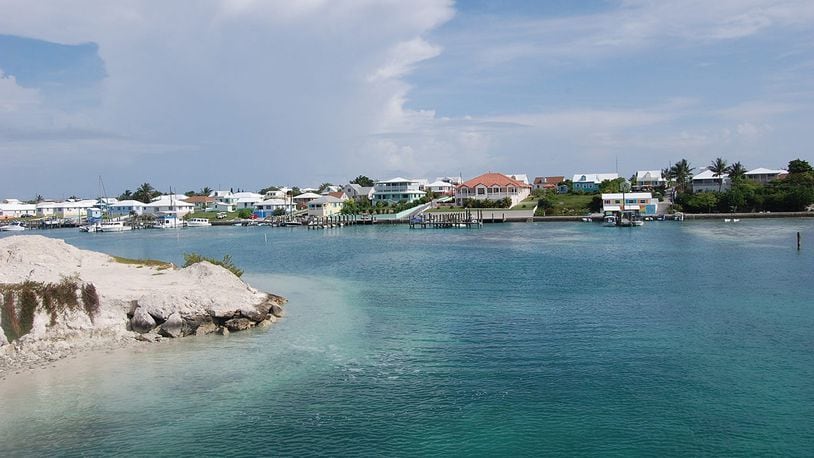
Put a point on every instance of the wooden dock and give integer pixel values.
(465, 219)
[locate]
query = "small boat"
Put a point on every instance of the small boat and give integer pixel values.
(736, 220)
(114, 226)
(168, 221)
(726, 220)
(198, 222)
(13, 227)
(92, 227)
(609, 221)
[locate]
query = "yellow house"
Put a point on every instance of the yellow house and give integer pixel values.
(325, 206)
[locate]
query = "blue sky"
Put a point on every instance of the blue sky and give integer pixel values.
(247, 93)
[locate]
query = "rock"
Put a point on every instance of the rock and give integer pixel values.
(143, 338)
(173, 326)
(206, 328)
(257, 313)
(277, 310)
(3, 340)
(142, 322)
(239, 324)
(193, 322)
(223, 331)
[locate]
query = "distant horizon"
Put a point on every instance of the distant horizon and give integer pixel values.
(253, 94)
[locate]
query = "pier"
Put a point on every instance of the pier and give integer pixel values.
(447, 220)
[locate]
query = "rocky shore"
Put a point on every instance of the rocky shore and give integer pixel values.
(57, 300)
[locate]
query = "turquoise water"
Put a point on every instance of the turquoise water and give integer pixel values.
(692, 338)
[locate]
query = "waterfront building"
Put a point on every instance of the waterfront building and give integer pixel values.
(325, 206)
(201, 203)
(708, 181)
(303, 199)
(275, 194)
(247, 200)
(126, 207)
(589, 182)
(444, 188)
(764, 176)
(268, 207)
(492, 186)
(74, 209)
(399, 190)
(13, 208)
(649, 179)
(643, 202)
(169, 204)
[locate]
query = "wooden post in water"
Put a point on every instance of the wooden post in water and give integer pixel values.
(798, 240)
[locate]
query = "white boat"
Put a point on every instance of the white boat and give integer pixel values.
(167, 222)
(198, 222)
(726, 220)
(609, 221)
(13, 227)
(736, 220)
(114, 226)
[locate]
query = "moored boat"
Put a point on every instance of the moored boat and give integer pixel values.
(114, 226)
(13, 227)
(198, 222)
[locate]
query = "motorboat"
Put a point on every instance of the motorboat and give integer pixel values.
(198, 222)
(13, 227)
(609, 221)
(169, 221)
(114, 226)
(90, 227)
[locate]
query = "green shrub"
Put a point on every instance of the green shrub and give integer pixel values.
(226, 262)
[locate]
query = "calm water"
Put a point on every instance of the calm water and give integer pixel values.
(692, 338)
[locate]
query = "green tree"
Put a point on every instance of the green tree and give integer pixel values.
(362, 180)
(799, 166)
(719, 168)
(616, 185)
(682, 172)
(126, 195)
(737, 172)
(145, 193)
(668, 176)
(323, 187)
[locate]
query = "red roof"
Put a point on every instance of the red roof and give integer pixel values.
(199, 199)
(493, 179)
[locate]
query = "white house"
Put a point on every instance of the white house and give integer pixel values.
(649, 179)
(521, 177)
(227, 197)
(275, 194)
(492, 186)
(589, 182)
(267, 207)
(247, 199)
(67, 209)
(169, 204)
(399, 190)
(442, 187)
(643, 202)
(304, 198)
(325, 206)
(764, 176)
(125, 207)
(708, 181)
(358, 192)
(12, 208)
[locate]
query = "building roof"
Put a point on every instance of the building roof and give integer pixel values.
(307, 195)
(493, 179)
(129, 203)
(763, 171)
(649, 175)
(399, 180)
(549, 180)
(593, 177)
(521, 177)
(338, 194)
(441, 184)
(327, 199)
(200, 199)
(708, 174)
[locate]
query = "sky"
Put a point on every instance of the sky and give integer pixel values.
(246, 94)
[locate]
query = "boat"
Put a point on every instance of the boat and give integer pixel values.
(736, 220)
(13, 227)
(198, 222)
(609, 221)
(114, 226)
(91, 227)
(726, 220)
(167, 221)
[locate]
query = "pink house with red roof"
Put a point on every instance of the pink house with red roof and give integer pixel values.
(492, 186)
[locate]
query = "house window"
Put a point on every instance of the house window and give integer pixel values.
(481, 191)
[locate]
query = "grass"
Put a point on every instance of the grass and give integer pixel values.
(226, 262)
(568, 205)
(161, 265)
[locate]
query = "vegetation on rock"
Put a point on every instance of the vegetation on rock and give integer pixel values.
(226, 262)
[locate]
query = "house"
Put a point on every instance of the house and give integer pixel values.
(547, 183)
(222, 207)
(169, 204)
(643, 202)
(492, 186)
(443, 188)
(13, 208)
(275, 194)
(358, 192)
(649, 179)
(325, 206)
(246, 200)
(521, 177)
(303, 199)
(268, 207)
(67, 209)
(330, 189)
(589, 182)
(708, 181)
(399, 190)
(127, 207)
(764, 176)
(201, 203)
(227, 197)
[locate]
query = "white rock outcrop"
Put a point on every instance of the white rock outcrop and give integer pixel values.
(199, 299)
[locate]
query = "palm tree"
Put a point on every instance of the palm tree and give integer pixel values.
(206, 190)
(719, 168)
(737, 172)
(667, 174)
(681, 172)
(144, 193)
(126, 195)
